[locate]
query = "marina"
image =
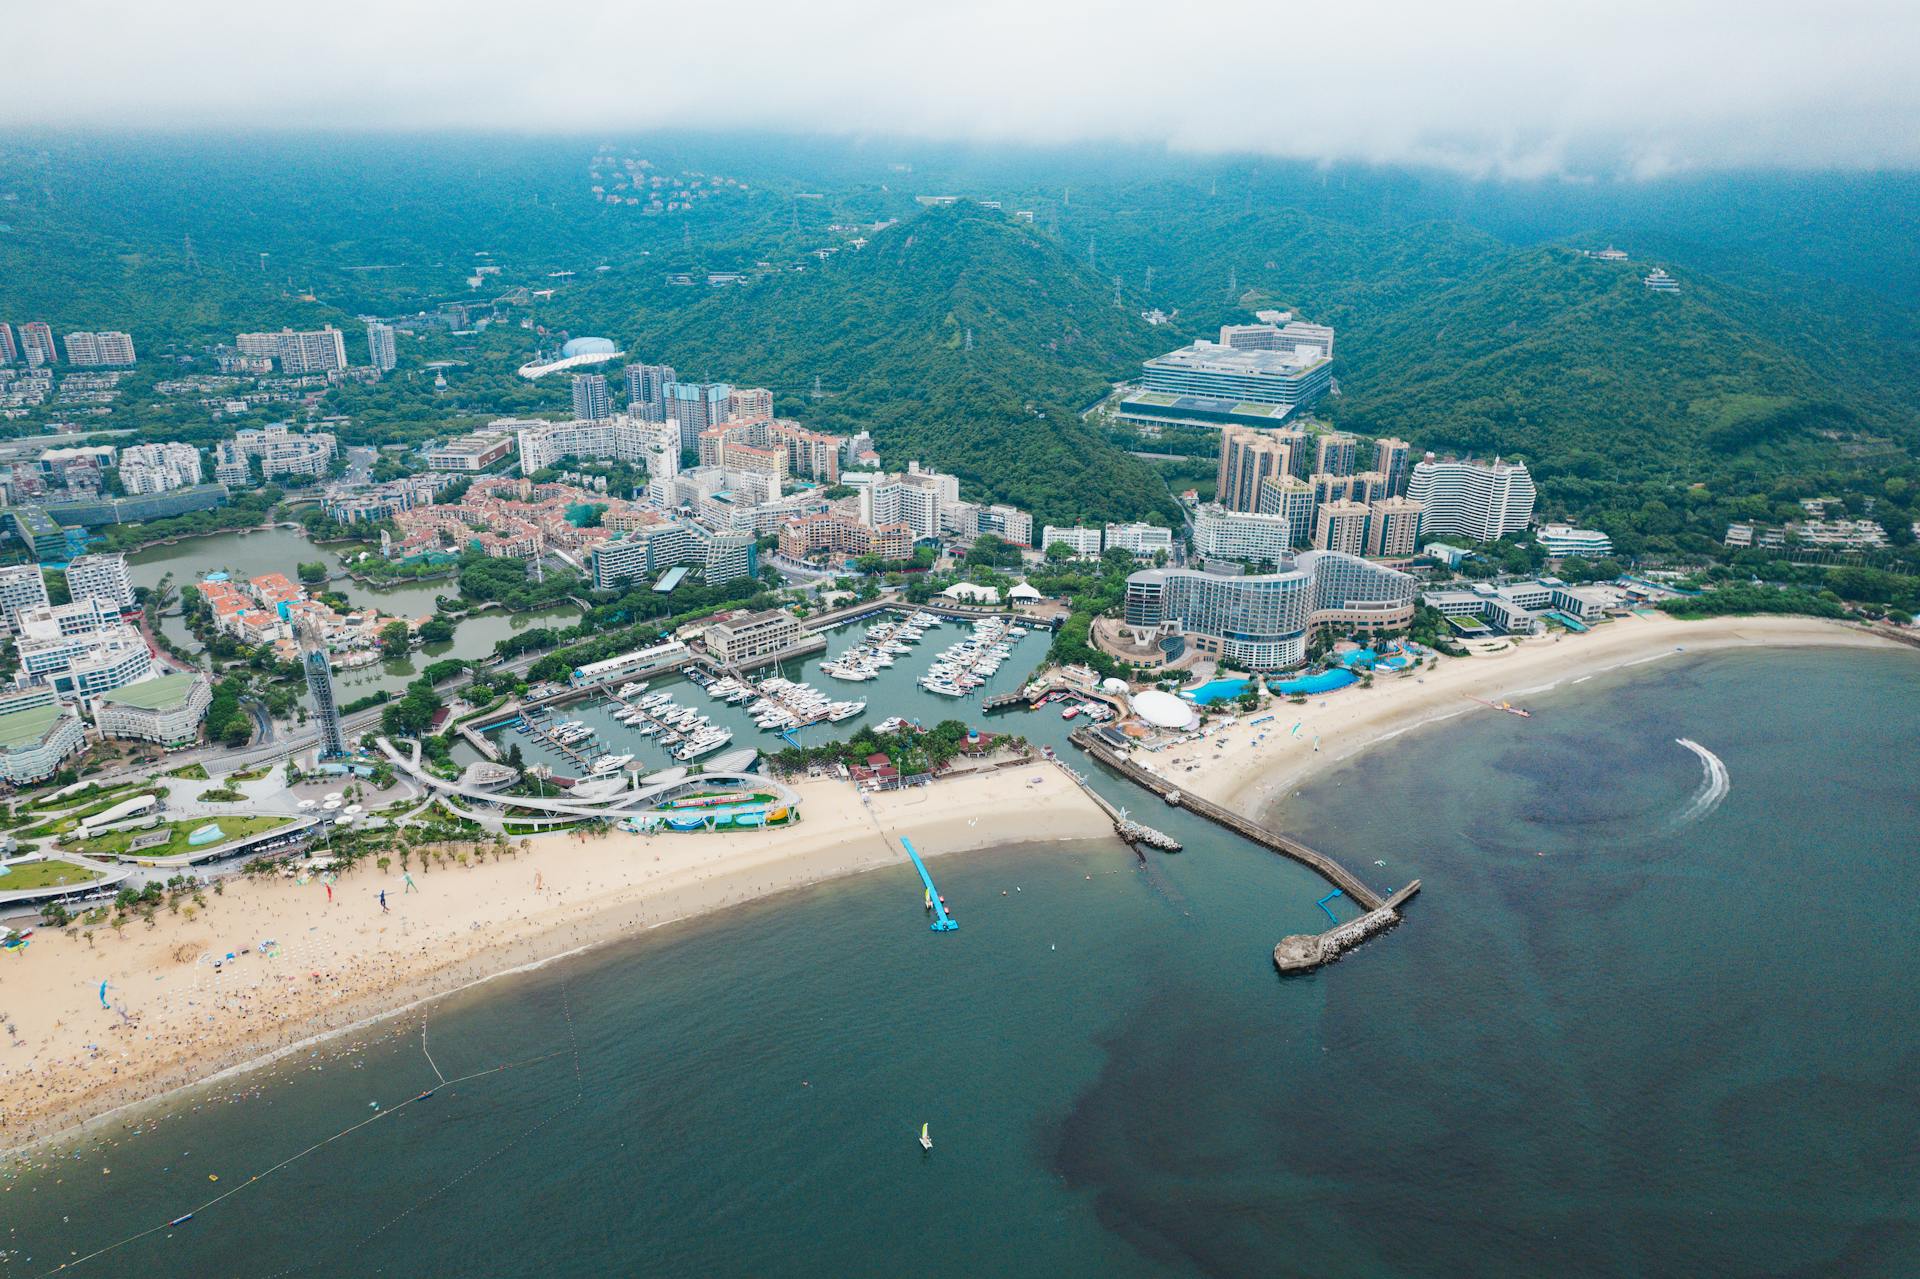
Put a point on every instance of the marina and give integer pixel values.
(687, 717)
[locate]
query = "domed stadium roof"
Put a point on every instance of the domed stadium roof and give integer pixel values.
(587, 346)
(1163, 710)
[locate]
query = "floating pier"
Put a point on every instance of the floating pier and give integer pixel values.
(942, 922)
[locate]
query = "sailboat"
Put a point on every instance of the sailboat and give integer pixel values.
(926, 1142)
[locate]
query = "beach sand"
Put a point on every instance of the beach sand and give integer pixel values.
(1255, 777)
(66, 1058)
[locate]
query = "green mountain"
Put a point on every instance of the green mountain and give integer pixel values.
(1656, 415)
(959, 338)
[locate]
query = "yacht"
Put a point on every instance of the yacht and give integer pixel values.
(610, 764)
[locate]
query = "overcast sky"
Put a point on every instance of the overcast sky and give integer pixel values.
(1531, 88)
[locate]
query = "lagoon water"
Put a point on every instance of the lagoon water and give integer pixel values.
(281, 550)
(1637, 1023)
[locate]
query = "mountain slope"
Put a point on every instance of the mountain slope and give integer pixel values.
(885, 330)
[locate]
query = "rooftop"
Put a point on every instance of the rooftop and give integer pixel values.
(27, 728)
(1213, 358)
(164, 693)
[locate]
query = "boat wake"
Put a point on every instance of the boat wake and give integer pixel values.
(1713, 786)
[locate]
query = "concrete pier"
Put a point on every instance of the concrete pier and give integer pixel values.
(1301, 952)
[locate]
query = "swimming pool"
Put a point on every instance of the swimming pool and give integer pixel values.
(1216, 690)
(1319, 682)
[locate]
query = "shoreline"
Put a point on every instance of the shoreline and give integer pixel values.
(342, 965)
(1255, 779)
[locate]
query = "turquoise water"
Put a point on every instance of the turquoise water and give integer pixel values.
(1630, 1027)
(1217, 690)
(1318, 682)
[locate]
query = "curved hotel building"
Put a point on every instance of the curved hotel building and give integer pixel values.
(1481, 500)
(1262, 621)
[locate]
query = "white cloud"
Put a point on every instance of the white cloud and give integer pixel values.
(1512, 89)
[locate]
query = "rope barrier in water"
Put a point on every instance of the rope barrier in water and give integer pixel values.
(327, 1141)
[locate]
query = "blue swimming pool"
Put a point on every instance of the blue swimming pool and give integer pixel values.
(1216, 690)
(1359, 658)
(1318, 682)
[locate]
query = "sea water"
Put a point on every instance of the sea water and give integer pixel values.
(1648, 1016)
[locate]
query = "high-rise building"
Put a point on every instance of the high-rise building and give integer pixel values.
(99, 350)
(1393, 527)
(812, 454)
(696, 406)
(299, 352)
(158, 468)
(1247, 456)
(101, 577)
(750, 404)
(380, 346)
(1291, 498)
(1341, 526)
(1480, 500)
(9, 349)
(1392, 459)
(1262, 621)
(1244, 536)
(590, 400)
(36, 342)
(647, 391)
(1336, 453)
(326, 710)
(22, 586)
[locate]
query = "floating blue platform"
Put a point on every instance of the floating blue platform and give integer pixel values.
(942, 922)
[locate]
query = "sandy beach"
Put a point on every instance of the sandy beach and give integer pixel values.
(173, 1020)
(1255, 776)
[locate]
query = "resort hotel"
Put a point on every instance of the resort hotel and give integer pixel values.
(1262, 621)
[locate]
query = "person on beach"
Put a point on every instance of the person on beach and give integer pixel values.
(383, 903)
(411, 886)
(329, 889)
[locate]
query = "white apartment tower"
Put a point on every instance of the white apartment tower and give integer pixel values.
(380, 346)
(1479, 500)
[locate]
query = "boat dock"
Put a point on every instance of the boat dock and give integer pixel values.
(1381, 912)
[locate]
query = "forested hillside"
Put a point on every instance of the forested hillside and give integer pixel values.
(886, 331)
(1645, 412)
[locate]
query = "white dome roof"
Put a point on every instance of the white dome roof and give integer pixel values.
(1114, 684)
(1163, 710)
(588, 346)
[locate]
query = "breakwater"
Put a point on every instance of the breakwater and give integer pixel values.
(1301, 955)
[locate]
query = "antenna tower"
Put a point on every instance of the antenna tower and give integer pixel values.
(1116, 290)
(1233, 282)
(192, 258)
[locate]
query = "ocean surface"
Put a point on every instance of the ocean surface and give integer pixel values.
(1653, 1014)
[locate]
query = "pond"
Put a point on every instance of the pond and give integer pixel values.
(282, 550)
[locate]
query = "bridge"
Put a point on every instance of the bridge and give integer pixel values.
(564, 807)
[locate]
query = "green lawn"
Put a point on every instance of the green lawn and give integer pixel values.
(44, 874)
(115, 843)
(192, 772)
